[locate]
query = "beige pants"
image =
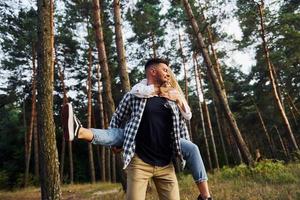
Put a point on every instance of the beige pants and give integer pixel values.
(138, 175)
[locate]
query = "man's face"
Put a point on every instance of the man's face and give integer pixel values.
(162, 74)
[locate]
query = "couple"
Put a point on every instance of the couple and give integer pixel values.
(155, 131)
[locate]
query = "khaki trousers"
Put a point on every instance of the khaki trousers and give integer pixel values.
(139, 174)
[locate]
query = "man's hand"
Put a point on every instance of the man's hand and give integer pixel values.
(116, 149)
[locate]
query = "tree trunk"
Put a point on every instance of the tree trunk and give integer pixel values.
(65, 101)
(153, 44)
(63, 142)
(49, 167)
(120, 48)
(271, 146)
(32, 118)
(89, 116)
(217, 68)
(293, 105)
(110, 105)
(36, 146)
(218, 89)
(62, 159)
(103, 58)
(123, 74)
(217, 65)
(221, 133)
(25, 139)
(71, 162)
(293, 115)
(207, 118)
(100, 102)
(285, 150)
(272, 80)
(199, 92)
(184, 68)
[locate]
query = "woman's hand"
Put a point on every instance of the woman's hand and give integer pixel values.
(169, 92)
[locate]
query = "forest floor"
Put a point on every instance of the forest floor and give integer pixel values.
(269, 181)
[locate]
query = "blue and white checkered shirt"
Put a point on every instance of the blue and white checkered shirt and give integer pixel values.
(132, 108)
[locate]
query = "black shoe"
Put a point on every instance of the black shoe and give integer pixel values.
(200, 198)
(70, 123)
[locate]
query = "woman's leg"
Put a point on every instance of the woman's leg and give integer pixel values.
(105, 137)
(191, 154)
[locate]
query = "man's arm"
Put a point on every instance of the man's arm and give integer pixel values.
(122, 112)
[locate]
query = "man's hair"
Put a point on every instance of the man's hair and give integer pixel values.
(153, 61)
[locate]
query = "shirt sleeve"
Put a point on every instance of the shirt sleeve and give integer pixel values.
(122, 112)
(142, 90)
(184, 133)
(186, 112)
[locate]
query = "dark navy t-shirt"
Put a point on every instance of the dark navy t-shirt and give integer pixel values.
(153, 139)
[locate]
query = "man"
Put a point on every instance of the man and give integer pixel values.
(151, 136)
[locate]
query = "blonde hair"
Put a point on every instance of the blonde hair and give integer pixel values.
(174, 84)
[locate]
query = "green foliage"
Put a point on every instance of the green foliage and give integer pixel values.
(3, 179)
(11, 138)
(296, 156)
(148, 32)
(266, 171)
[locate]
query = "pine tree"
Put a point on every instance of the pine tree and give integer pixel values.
(49, 170)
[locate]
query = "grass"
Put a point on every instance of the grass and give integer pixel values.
(75, 191)
(265, 181)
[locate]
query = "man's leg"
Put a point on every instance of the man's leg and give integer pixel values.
(166, 182)
(191, 154)
(138, 175)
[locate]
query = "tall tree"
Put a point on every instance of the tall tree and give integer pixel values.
(101, 111)
(207, 116)
(272, 79)
(200, 100)
(120, 47)
(49, 170)
(32, 122)
(110, 105)
(148, 32)
(89, 114)
(238, 137)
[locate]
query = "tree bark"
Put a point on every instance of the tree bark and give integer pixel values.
(271, 146)
(293, 105)
(221, 133)
(102, 57)
(101, 111)
(247, 157)
(206, 111)
(32, 118)
(207, 118)
(153, 44)
(63, 142)
(272, 80)
(120, 48)
(36, 146)
(184, 67)
(49, 169)
(70, 151)
(110, 105)
(199, 92)
(89, 115)
(284, 149)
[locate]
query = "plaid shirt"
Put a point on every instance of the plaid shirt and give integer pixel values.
(132, 108)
